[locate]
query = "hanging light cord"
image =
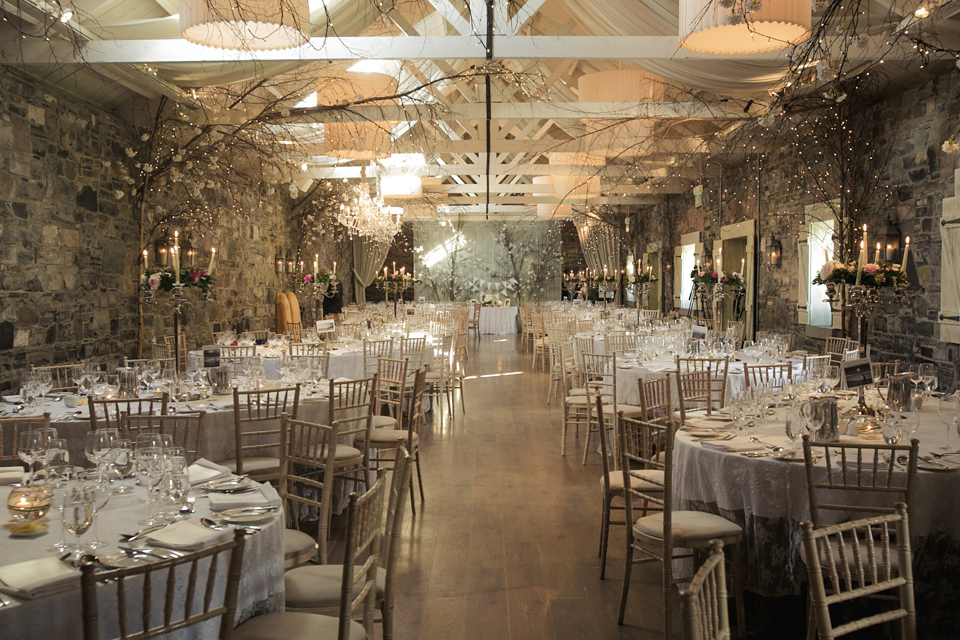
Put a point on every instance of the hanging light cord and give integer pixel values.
(489, 101)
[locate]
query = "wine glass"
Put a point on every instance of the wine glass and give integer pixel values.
(812, 416)
(150, 372)
(77, 375)
(794, 426)
(29, 446)
(949, 412)
(892, 428)
(78, 516)
(120, 461)
(96, 488)
(831, 378)
(44, 382)
(927, 373)
(60, 479)
(149, 469)
(28, 388)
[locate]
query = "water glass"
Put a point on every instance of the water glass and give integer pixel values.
(96, 488)
(77, 517)
(149, 468)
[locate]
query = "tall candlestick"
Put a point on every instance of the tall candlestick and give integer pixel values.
(176, 255)
(334, 267)
(906, 252)
(213, 259)
(861, 261)
(146, 259)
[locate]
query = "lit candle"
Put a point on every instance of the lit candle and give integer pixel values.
(176, 255)
(314, 266)
(906, 252)
(146, 260)
(334, 267)
(743, 261)
(826, 256)
(384, 272)
(876, 255)
(213, 259)
(394, 267)
(720, 261)
(861, 261)
(301, 266)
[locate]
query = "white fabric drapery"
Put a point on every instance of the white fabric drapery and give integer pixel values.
(599, 241)
(368, 256)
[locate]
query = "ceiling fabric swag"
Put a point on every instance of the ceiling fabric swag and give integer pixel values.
(600, 242)
(245, 25)
(368, 255)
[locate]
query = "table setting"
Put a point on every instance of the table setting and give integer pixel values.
(173, 509)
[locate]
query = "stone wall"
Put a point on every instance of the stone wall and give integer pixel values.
(69, 247)
(774, 191)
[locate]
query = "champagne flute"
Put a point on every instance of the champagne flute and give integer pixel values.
(78, 516)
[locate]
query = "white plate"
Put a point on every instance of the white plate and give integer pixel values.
(245, 515)
(120, 560)
(230, 485)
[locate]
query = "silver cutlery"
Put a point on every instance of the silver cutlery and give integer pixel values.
(143, 532)
(3, 600)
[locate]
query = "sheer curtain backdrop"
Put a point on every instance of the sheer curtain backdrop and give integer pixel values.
(368, 256)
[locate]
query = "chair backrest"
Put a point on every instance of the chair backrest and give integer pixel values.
(717, 368)
(694, 391)
(734, 334)
(374, 349)
(756, 375)
(600, 371)
(391, 383)
(236, 351)
(615, 342)
(318, 363)
(253, 413)
(358, 589)
(647, 446)
(704, 604)
(655, 398)
(396, 505)
(182, 578)
(835, 348)
(10, 429)
(185, 429)
(306, 348)
(295, 331)
(856, 559)
(166, 363)
(816, 363)
(352, 407)
(649, 314)
(858, 477)
(305, 454)
(61, 375)
(414, 413)
(162, 351)
(105, 414)
(412, 349)
(851, 354)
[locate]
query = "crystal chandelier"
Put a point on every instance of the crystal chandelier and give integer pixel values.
(368, 216)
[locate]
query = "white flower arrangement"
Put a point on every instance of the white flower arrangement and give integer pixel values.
(950, 146)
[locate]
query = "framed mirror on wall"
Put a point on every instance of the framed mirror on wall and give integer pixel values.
(739, 243)
(652, 258)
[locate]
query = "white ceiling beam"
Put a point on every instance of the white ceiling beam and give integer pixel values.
(496, 171)
(437, 48)
(452, 16)
(534, 200)
(522, 15)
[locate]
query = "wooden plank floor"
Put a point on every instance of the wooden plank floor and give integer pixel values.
(505, 546)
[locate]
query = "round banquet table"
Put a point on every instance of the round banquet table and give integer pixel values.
(59, 615)
(218, 442)
(497, 320)
(768, 498)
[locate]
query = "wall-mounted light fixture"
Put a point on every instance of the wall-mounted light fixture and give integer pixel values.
(891, 239)
(775, 251)
(280, 263)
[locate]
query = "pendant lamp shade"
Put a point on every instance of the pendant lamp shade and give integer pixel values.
(245, 25)
(356, 140)
(743, 26)
(628, 87)
(578, 186)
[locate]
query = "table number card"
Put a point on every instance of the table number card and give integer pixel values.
(325, 326)
(856, 373)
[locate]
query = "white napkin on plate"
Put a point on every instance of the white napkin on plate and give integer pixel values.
(731, 447)
(267, 496)
(204, 471)
(38, 578)
(188, 536)
(11, 475)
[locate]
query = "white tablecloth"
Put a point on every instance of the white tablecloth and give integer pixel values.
(59, 616)
(497, 320)
(768, 497)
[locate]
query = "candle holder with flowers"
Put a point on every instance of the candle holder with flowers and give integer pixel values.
(164, 279)
(321, 282)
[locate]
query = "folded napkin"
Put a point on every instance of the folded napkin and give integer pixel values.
(204, 471)
(732, 447)
(38, 578)
(187, 536)
(267, 496)
(11, 475)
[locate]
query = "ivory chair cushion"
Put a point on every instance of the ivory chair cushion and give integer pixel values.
(383, 422)
(298, 547)
(387, 436)
(630, 410)
(292, 625)
(294, 306)
(690, 526)
(283, 312)
(576, 399)
(344, 452)
(255, 465)
(318, 586)
(616, 481)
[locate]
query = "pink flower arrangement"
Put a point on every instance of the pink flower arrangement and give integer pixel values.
(871, 269)
(153, 281)
(193, 276)
(307, 279)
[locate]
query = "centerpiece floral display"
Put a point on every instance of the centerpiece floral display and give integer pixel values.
(704, 277)
(642, 278)
(878, 274)
(734, 279)
(164, 278)
(321, 276)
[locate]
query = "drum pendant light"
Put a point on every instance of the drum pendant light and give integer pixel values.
(245, 25)
(732, 27)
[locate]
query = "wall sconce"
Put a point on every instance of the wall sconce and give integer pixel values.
(280, 262)
(291, 265)
(163, 250)
(890, 236)
(776, 252)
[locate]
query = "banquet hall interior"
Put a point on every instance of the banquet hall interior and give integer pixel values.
(440, 319)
